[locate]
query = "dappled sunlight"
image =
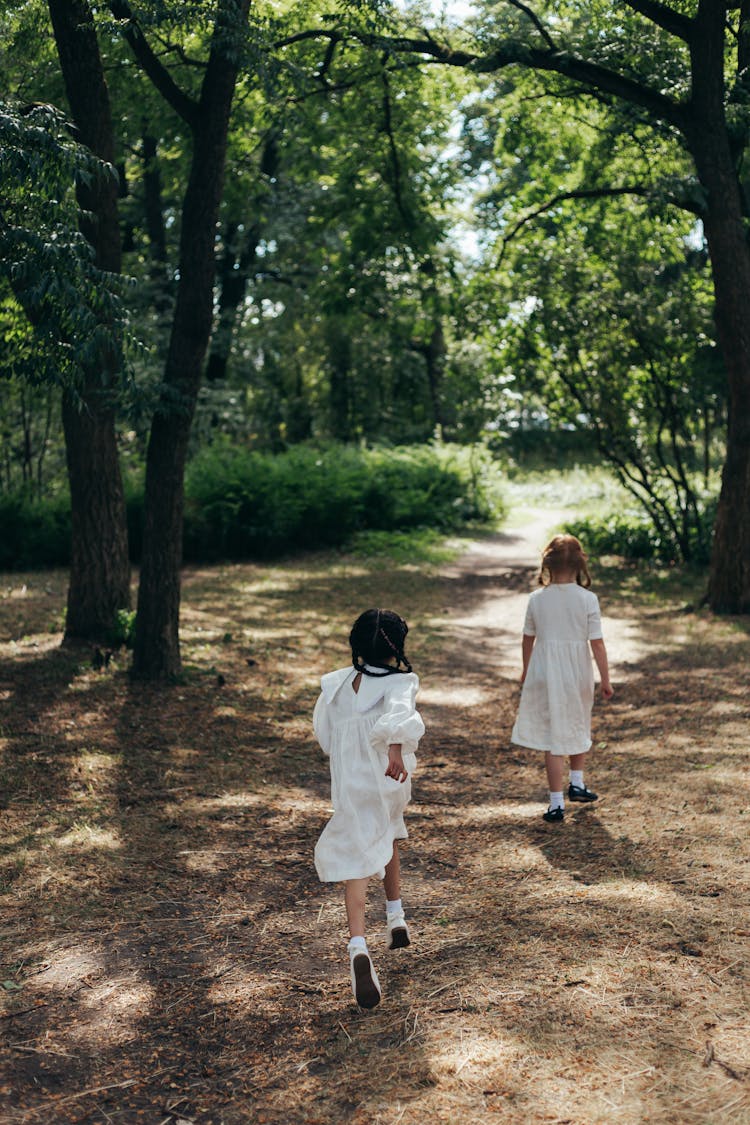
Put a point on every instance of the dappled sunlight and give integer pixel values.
(473, 1052)
(176, 826)
(112, 1011)
(82, 837)
(487, 813)
(454, 695)
(70, 966)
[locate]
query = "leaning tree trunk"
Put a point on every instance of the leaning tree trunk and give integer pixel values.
(157, 648)
(100, 569)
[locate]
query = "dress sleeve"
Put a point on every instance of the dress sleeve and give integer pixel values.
(594, 620)
(322, 724)
(529, 627)
(400, 721)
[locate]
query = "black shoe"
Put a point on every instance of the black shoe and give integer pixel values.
(552, 816)
(580, 793)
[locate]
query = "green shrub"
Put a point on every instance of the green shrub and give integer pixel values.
(627, 534)
(240, 504)
(123, 630)
(34, 532)
(632, 535)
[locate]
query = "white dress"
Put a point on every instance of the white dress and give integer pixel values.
(355, 730)
(558, 693)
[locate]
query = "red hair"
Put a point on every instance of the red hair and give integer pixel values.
(564, 553)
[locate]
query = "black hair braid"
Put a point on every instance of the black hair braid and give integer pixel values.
(377, 636)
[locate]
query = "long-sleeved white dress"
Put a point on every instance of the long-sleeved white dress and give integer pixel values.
(554, 713)
(355, 730)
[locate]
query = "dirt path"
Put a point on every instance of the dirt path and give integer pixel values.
(169, 956)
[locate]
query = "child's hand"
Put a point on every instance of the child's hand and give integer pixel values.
(607, 690)
(395, 768)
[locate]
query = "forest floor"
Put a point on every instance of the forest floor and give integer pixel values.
(168, 955)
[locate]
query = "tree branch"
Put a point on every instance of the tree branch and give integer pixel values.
(527, 11)
(665, 17)
(587, 193)
(515, 52)
(588, 73)
(180, 102)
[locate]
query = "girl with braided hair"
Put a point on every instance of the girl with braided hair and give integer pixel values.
(554, 715)
(366, 722)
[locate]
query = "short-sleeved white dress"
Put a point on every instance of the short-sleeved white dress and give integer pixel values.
(355, 729)
(558, 693)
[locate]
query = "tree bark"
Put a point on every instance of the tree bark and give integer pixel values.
(157, 648)
(233, 269)
(710, 143)
(100, 568)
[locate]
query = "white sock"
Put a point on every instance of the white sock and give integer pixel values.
(356, 943)
(576, 778)
(393, 906)
(556, 800)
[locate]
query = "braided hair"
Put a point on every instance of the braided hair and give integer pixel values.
(377, 637)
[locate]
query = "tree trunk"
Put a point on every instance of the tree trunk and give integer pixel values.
(233, 269)
(729, 580)
(157, 647)
(725, 219)
(100, 569)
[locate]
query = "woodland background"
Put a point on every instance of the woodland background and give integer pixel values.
(299, 304)
(246, 247)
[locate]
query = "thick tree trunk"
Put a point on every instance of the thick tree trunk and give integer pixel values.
(100, 569)
(157, 647)
(708, 137)
(729, 581)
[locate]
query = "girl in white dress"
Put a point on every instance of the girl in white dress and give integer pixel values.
(366, 722)
(554, 715)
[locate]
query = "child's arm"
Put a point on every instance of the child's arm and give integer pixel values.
(526, 647)
(395, 767)
(600, 656)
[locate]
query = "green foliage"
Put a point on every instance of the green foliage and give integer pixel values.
(75, 309)
(632, 535)
(34, 532)
(241, 504)
(123, 630)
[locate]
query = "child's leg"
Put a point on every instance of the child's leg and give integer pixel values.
(355, 894)
(365, 983)
(578, 790)
(392, 879)
(554, 766)
(577, 762)
(398, 931)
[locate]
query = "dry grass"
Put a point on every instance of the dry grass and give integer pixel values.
(168, 954)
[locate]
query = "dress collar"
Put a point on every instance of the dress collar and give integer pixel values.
(371, 688)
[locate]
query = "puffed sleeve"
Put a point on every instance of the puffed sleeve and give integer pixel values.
(400, 721)
(529, 625)
(322, 724)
